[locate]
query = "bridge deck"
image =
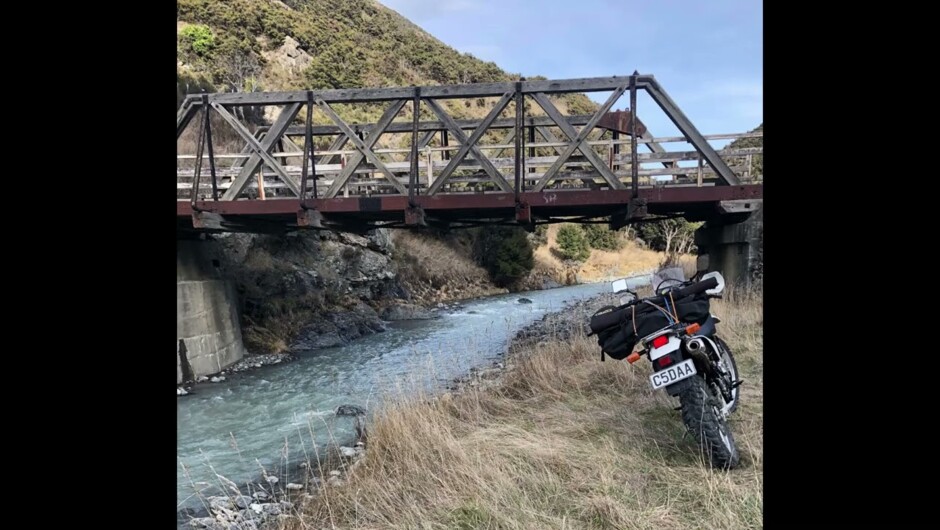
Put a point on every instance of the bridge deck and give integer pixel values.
(391, 210)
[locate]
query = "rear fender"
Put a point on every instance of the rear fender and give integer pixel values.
(677, 388)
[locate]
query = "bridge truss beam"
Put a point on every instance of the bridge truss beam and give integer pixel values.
(464, 172)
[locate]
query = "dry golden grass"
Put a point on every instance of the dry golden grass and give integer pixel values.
(564, 441)
(435, 271)
(602, 264)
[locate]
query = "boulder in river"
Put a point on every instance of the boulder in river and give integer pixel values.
(350, 410)
(217, 503)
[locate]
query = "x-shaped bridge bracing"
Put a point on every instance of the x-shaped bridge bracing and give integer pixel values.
(381, 174)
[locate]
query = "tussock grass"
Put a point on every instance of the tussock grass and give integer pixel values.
(438, 261)
(433, 270)
(601, 265)
(564, 441)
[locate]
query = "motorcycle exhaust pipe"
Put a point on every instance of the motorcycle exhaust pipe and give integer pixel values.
(695, 346)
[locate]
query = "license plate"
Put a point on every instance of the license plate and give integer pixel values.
(673, 374)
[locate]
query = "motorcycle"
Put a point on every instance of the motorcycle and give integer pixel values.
(676, 331)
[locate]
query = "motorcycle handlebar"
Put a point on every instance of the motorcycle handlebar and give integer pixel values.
(696, 288)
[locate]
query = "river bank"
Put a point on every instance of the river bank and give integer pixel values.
(270, 496)
(557, 326)
(553, 438)
(271, 416)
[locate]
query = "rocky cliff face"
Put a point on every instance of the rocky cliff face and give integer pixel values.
(318, 289)
(310, 289)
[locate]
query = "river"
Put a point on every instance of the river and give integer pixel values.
(267, 418)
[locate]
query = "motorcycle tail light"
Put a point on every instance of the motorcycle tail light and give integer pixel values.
(660, 341)
(664, 361)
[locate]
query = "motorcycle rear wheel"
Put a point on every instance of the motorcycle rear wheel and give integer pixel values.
(701, 413)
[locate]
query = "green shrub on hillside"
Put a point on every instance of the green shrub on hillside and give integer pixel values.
(197, 38)
(572, 244)
(540, 235)
(339, 65)
(505, 252)
(601, 237)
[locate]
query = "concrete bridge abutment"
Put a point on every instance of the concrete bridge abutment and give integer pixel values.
(733, 243)
(208, 331)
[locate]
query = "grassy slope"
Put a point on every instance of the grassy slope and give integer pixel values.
(350, 43)
(435, 270)
(601, 265)
(563, 441)
(740, 143)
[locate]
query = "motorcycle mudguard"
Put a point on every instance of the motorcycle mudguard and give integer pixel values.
(676, 388)
(708, 327)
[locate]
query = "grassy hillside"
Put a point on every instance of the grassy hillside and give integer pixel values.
(601, 264)
(245, 45)
(352, 43)
(749, 142)
(741, 143)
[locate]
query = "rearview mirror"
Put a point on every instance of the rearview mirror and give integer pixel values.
(721, 282)
(619, 285)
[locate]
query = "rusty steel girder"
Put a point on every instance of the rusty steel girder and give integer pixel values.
(621, 121)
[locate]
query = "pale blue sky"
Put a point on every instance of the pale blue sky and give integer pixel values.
(707, 54)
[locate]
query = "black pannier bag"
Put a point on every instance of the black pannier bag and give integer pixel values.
(618, 328)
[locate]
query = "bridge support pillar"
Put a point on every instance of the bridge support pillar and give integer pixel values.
(208, 334)
(733, 244)
(414, 216)
(636, 209)
(309, 218)
(524, 216)
(208, 221)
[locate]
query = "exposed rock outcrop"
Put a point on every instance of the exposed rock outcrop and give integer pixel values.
(309, 289)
